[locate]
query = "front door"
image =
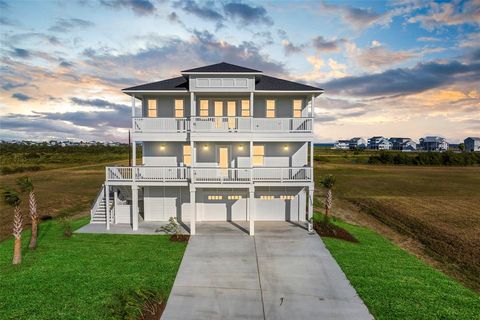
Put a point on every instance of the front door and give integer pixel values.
(218, 113)
(223, 160)
(231, 113)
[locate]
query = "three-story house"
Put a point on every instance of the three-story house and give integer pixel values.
(219, 143)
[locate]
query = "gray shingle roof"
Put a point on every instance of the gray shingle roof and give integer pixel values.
(276, 84)
(222, 67)
(178, 83)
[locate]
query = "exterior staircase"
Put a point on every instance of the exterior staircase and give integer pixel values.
(98, 212)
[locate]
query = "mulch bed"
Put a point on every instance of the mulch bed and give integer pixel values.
(179, 237)
(152, 310)
(328, 229)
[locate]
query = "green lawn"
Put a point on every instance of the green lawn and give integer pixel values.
(396, 285)
(77, 278)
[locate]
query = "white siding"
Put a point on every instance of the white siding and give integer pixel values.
(161, 203)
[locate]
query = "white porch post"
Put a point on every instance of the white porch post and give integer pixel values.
(133, 106)
(251, 104)
(193, 206)
(134, 153)
(193, 107)
(115, 197)
(311, 153)
(107, 205)
(310, 208)
(251, 210)
(134, 207)
(312, 111)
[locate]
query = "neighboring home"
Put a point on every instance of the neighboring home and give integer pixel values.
(433, 143)
(342, 144)
(219, 143)
(472, 144)
(403, 144)
(357, 143)
(379, 143)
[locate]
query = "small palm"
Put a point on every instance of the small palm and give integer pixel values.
(328, 182)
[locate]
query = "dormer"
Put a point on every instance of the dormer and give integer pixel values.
(221, 77)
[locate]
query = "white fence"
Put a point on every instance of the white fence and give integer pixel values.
(164, 174)
(160, 124)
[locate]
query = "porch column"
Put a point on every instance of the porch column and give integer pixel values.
(251, 104)
(312, 111)
(134, 153)
(193, 107)
(193, 206)
(310, 208)
(107, 205)
(311, 154)
(134, 207)
(115, 197)
(133, 106)
(251, 209)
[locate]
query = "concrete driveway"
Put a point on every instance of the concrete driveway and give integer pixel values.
(281, 273)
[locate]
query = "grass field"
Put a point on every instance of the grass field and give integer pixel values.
(396, 285)
(438, 206)
(81, 277)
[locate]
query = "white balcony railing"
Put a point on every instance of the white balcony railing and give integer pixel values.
(160, 125)
(208, 175)
(160, 174)
(222, 124)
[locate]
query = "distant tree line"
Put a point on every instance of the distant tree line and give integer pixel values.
(426, 158)
(6, 148)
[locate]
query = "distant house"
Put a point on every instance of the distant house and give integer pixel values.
(433, 143)
(342, 144)
(472, 144)
(357, 143)
(379, 143)
(403, 144)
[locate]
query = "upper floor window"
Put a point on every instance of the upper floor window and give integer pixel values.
(187, 155)
(270, 111)
(245, 108)
(152, 108)
(231, 108)
(297, 108)
(203, 108)
(179, 108)
(258, 154)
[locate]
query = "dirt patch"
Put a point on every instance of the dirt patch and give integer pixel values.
(327, 229)
(152, 310)
(179, 238)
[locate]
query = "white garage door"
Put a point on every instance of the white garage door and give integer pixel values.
(224, 206)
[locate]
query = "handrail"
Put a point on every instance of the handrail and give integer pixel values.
(98, 200)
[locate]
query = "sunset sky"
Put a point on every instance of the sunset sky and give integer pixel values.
(399, 68)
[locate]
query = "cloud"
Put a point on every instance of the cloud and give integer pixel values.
(444, 14)
(65, 64)
(207, 11)
(20, 53)
(12, 85)
(67, 25)
(139, 7)
(99, 103)
(247, 14)
(21, 96)
(378, 56)
(289, 48)
(428, 39)
(359, 17)
(405, 81)
(322, 44)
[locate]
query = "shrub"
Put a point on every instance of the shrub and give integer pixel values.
(133, 304)
(426, 158)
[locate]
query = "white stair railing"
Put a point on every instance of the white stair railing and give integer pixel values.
(98, 200)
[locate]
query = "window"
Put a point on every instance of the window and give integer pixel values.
(245, 108)
(234, 197)
(187, 155)
(178, 108)
(267, 197)
(297, 108)
(258, 155)
(152, 108)
(215, 197)
(203, 108)
(286, 197)
(270, 109)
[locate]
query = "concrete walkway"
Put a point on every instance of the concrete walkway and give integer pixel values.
(281, 273)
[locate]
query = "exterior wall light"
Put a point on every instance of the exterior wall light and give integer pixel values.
(285, 147)
(162, 147)
(240, 147)
(205, 147)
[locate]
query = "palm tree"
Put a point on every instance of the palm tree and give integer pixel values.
(328, 182)
(26, 185)
(12, 198)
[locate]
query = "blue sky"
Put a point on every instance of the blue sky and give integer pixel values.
(399, 68)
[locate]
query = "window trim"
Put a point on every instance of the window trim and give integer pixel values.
(274, 108)
(244, 110)
(262, 155)
(182, 109)
(152, 109)
(297, 110)
(204, 111)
